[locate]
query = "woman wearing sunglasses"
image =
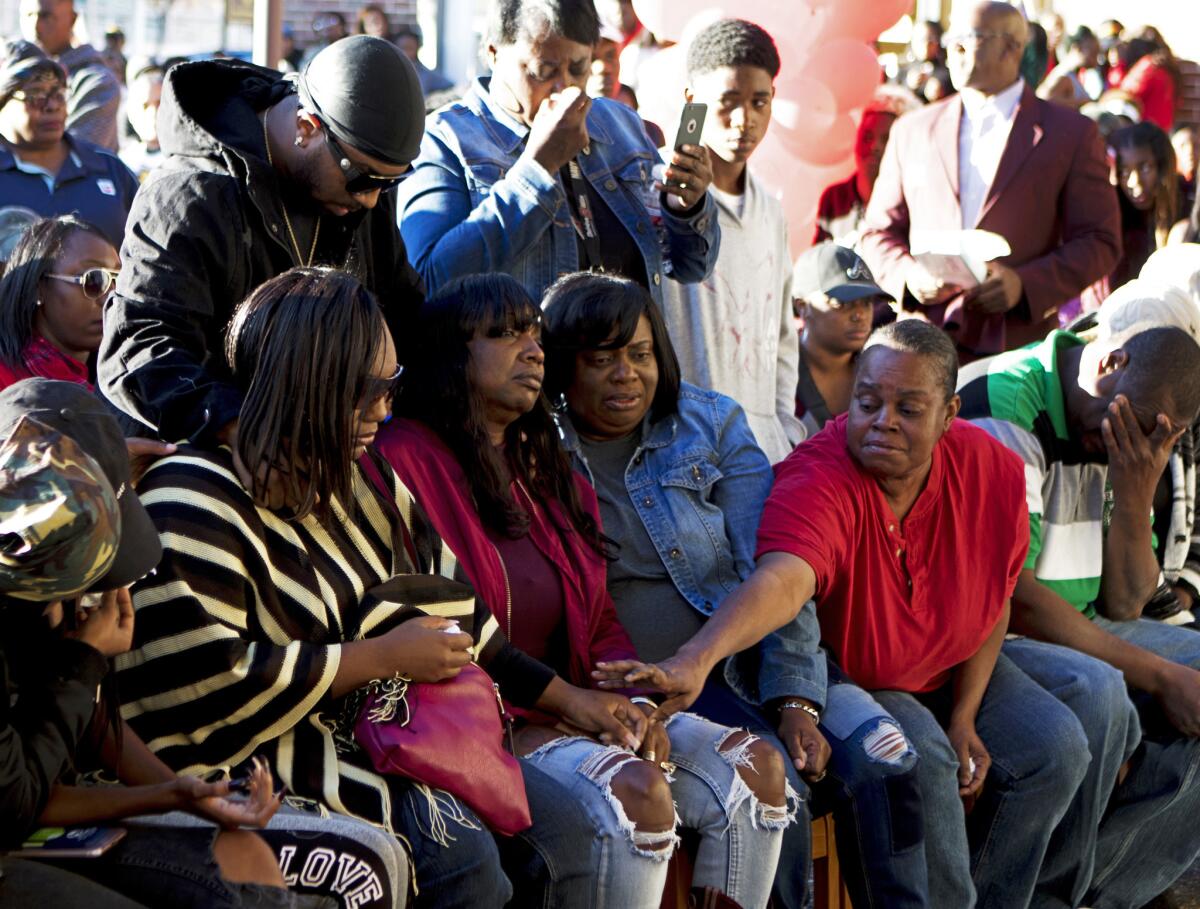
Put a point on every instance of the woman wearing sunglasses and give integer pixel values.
(52, 299)
(42, 166)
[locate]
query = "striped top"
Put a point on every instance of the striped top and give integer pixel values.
(239, 629)
(1018, 397)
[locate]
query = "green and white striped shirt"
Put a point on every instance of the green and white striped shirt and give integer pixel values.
(1017, 397)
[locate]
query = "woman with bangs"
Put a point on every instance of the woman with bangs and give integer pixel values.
(478, 446)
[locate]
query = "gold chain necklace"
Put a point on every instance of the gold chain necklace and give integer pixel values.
(287, 222)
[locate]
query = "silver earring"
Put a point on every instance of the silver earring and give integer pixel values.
(298, 141)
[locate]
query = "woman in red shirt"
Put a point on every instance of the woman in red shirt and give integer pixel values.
(52, 300)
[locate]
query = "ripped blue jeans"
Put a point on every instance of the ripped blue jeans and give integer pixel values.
(739, 835)
(903, 838)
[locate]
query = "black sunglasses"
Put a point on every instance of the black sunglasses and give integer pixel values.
(96, 282)
(358, 181)
(376, 387)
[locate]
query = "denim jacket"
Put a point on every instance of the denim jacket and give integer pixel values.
(698, 481)
(475, 203)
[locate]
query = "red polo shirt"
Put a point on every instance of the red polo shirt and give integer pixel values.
(902, 603)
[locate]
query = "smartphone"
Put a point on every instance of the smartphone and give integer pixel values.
(691, 125)
(80, 842)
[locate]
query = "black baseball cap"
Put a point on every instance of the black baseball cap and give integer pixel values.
(835, 271)
(67, 409)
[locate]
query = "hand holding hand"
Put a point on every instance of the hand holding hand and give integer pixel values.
(108, 627)
(212, 801)
(687, 177)
(559, 130)
(999, 292)
(804, 742)
(1135, 460)
(423, 650)
(927, 287)
(680, 678)
(656, 746)
(973, 758)
(613, 718)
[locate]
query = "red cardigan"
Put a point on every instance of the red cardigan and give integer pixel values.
(432, 474)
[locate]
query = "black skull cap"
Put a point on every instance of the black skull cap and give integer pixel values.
(367, 93)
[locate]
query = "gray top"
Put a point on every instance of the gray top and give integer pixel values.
(648, 604)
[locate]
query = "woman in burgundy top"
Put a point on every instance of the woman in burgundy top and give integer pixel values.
(51, 301)
(480, 452)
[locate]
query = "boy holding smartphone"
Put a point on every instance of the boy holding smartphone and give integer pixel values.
(735, 331)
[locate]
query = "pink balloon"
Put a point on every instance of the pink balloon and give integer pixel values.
(850, 69)
(665, 19)
(661, 81)
(825, 147)
(802, 102)
(862, 19)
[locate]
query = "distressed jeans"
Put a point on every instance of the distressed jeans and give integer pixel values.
(1146, 839)
(903, 837)
(739, 836)
(719, 703)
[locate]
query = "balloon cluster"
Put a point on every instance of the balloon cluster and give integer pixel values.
(830, 72)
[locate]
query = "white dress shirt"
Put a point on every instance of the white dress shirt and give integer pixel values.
(982, 136)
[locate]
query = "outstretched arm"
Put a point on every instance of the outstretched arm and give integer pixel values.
(770, 598)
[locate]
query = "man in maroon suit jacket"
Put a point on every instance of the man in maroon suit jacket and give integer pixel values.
(1001, 160)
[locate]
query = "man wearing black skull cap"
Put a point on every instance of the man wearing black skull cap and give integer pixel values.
(260, 174)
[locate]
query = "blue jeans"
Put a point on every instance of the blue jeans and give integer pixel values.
(719, 703)
(550, 864)
(461, 872)
(1095, 692)
(1148, 837)
(893, 833)
(739, 837)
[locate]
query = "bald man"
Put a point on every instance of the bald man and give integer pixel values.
(1005, 162)
(93, 92)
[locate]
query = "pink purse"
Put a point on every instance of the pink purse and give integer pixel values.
(448, 735)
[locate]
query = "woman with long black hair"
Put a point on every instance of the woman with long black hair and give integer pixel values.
(479, 448)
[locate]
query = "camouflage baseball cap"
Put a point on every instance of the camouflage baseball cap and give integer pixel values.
(56, 424)
(59, 518)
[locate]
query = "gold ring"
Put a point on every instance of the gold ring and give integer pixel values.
(649, 756)
(667, 767)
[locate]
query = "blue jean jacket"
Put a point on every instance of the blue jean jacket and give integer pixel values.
(475, 203)
(698, 482)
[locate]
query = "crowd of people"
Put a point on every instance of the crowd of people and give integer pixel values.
(472, 504)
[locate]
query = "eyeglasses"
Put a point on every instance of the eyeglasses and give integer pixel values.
(97, 283)
(973, 38)
(376, 387)
(358, 181)
(40, 100)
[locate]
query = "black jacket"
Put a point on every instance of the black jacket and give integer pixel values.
(207, 228)
(47, 701)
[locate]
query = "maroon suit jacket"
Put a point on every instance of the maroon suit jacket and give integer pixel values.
(1051, 200)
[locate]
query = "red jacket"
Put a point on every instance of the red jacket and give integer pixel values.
(432, 474)
(1051, 199)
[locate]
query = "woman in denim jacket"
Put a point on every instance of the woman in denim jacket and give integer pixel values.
(681, 483)
(498, 183)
